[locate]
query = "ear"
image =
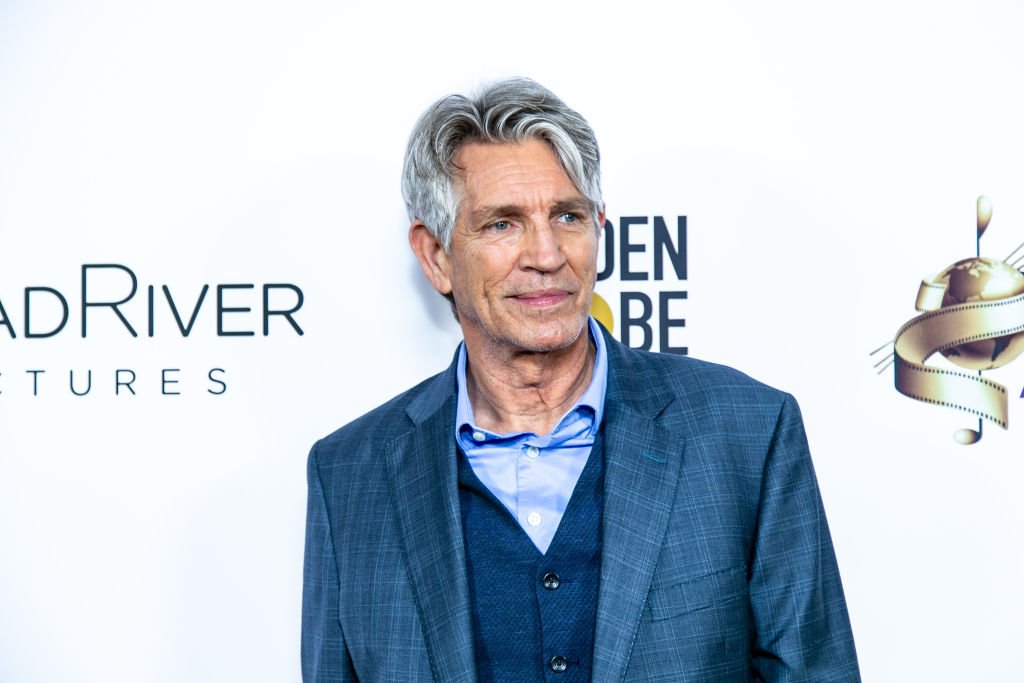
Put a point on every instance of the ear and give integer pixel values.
(432, 257)
(600, 220)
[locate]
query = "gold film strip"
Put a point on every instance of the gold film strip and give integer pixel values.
(939, 329)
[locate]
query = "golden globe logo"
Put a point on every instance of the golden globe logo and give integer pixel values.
(645, 253)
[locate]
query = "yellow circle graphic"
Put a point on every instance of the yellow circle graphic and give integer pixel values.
(602, 312)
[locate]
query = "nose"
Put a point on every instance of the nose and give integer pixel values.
(541, 249)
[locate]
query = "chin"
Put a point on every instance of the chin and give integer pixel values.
(548, 338)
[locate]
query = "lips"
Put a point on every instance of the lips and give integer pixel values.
(541, 297)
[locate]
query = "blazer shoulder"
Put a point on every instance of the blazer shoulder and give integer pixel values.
(717, 378)
(728, 419)
(685, 376)
(708, 401)
(364, 435)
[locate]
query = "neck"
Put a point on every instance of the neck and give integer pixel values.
(527, 391)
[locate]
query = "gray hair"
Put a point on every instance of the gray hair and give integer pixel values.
(507, 111)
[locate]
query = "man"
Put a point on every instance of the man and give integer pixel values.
(555, 506)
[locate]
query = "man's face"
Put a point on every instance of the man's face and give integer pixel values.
(523, 258)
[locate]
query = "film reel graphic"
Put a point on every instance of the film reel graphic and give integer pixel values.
(972, 313)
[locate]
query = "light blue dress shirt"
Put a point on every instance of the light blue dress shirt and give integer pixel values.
(534, 475)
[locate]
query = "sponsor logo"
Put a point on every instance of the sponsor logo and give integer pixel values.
(972, 315)
(111, 304)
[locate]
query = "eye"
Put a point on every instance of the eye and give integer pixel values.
(500, 226)
(569, 217)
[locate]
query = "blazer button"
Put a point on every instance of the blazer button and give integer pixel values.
(559, 664)
(551, 581)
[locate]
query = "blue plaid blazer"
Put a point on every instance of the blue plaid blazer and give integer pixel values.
(716, 564)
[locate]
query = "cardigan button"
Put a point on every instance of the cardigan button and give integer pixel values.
(551, 581)
(559, 664)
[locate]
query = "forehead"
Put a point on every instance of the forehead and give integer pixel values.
(524, 172)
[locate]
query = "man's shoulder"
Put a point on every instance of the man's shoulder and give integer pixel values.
(699, 381)
(388, 421)
(734, 418)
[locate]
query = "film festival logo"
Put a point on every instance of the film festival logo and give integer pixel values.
(972, 314)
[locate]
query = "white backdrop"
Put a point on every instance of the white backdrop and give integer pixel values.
(826, 157)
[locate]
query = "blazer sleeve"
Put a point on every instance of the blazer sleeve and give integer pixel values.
(325, 658)
(803, 630)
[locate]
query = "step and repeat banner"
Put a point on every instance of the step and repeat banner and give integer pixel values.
(204, 268)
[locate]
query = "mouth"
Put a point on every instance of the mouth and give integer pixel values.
(541, 298)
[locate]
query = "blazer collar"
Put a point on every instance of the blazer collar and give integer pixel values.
(434, 393)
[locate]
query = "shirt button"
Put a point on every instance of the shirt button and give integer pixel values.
(559, 664)
(478, 436)
(532, 452)
(551, 581)
(534, 519)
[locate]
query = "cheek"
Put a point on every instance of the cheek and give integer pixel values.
(584, 258)
(490, 267)
(476, 272)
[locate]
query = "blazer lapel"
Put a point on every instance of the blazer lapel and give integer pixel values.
(422, 468)
(642, 460)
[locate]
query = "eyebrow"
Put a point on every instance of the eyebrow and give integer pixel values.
(578, 205)
(488, 213)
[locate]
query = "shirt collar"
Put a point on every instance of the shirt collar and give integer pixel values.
(592, 398)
